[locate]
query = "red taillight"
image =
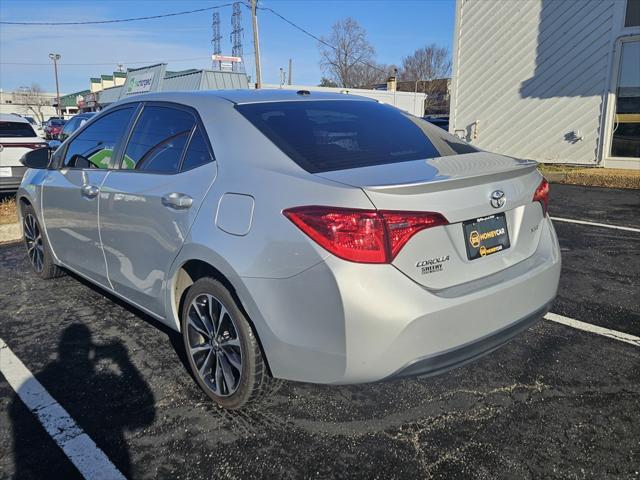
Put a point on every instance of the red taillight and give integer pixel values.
(363, 236)
(32, 146)
(401, 226)
(542, 195)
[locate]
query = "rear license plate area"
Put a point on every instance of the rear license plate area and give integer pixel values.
(485, 236)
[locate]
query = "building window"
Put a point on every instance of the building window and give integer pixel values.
(626, 128)
(632, 17)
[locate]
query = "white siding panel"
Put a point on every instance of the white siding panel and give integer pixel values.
(531, 72)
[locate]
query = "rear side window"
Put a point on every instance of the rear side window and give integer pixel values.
(197, 152)
(70, 126)
(158, 140)
(327, 135)
(16, 129)
(94, 146)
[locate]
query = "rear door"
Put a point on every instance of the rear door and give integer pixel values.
(71, 192)
(148, 205)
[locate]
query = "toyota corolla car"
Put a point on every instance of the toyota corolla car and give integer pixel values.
(304, 236)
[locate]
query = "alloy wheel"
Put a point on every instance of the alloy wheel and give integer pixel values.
(214, 345)
(33, 239)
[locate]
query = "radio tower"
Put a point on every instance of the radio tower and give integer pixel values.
(237, 34)
(215, 41)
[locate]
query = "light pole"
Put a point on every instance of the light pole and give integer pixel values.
(55, 57)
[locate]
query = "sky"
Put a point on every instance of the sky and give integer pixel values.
(394, 27)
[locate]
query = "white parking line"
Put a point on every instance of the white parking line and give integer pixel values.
(77, 445)
(587, 327)
(595, 224)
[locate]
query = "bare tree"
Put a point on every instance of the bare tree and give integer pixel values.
(367, 75)
(428, 63)
(428, 70)
(344, 52)
(32, 100)
(325, 82)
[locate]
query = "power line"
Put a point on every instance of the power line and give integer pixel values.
(120, 20)
(146, 62)
(315, 37)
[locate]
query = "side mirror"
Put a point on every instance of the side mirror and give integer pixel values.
(38, 158)
(53, 144)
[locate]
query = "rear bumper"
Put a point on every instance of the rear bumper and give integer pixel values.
(341, 322)
(11, 184)
(442, 362)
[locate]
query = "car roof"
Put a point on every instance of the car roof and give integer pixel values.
(12, 117)
(245, 96)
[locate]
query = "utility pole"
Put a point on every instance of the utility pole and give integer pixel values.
(55, 57)
(290, 65)
(256, 41)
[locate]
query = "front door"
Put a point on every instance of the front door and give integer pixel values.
(147, 206)
(71, 194)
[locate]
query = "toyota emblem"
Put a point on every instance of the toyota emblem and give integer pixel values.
(498, 199)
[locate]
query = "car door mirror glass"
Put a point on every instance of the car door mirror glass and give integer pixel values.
(38, 158)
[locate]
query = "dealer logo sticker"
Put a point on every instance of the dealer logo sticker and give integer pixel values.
(474, 239)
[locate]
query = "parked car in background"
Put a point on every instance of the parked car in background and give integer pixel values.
(53, 128)
(73, 124)
(17, 137)
(315, 237)
(36, 126)
(442, 122)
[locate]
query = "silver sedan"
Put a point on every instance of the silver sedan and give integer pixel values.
(296, 235)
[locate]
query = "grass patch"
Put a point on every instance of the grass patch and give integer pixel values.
(591, 176)
(547, 168)
(8, 210)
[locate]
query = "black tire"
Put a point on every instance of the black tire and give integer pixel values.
(38, 249)
(253, 378)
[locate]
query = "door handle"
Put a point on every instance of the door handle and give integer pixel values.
(89, 191)
(177, 201)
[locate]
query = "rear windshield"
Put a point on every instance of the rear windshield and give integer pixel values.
(57, 123)
(16, 129)
(325, 135)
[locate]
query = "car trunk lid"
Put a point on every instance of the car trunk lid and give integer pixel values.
(460, 188)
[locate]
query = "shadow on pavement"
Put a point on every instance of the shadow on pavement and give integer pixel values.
(102, 391)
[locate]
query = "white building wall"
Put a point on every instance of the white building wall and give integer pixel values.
(412, 103)
(9, 104)
(534, 75)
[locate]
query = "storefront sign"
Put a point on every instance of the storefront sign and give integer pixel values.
(140, 83)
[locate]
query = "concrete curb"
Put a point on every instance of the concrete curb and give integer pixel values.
(10, 232)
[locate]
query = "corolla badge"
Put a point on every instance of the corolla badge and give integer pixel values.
(498, 199)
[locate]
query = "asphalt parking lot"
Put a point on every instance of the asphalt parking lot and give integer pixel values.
(557, 402)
